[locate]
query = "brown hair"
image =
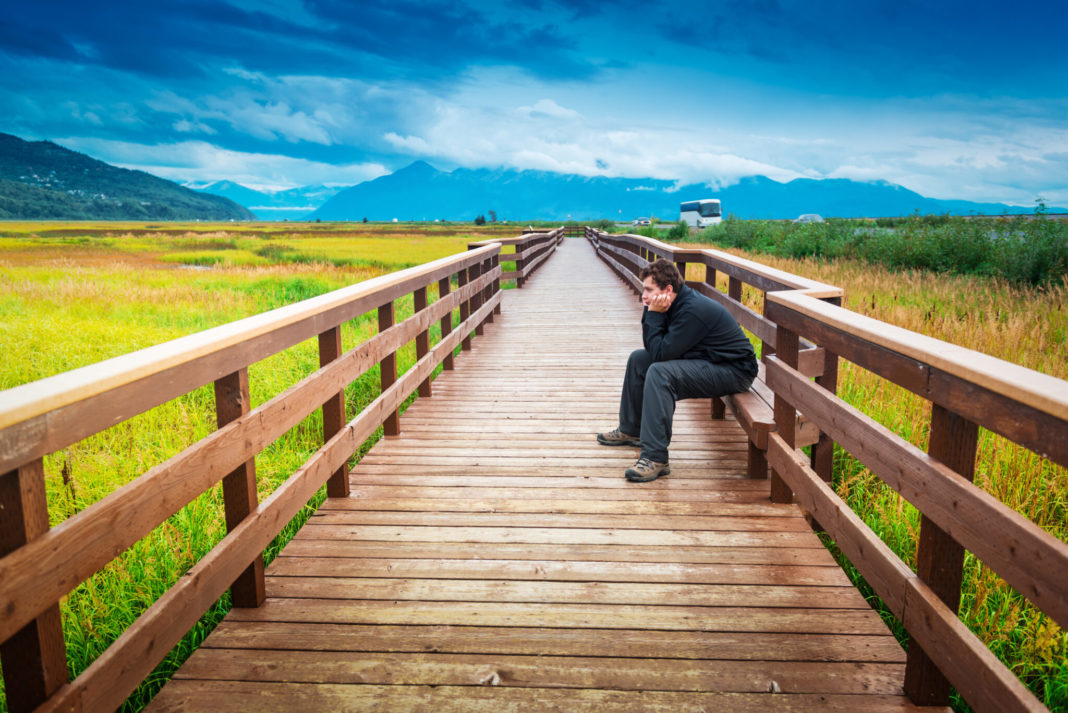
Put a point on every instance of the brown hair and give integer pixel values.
(664, 273)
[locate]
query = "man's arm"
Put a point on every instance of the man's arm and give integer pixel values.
(666, 340)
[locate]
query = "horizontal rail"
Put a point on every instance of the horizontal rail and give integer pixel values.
(888, 350)
(42, 571)
(957, 652)
(50, 414)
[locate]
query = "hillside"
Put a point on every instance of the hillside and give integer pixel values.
(421, 192)
(294, 203)
(42, 181)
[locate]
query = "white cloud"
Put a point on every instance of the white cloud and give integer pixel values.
(201, 161)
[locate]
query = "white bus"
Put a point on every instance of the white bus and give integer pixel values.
(702, 213)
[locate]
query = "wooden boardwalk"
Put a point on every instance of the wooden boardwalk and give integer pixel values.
(492, 557)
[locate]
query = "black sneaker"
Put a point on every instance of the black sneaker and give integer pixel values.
(618, 438)
(645, 470)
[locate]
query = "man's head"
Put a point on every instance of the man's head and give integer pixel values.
(660, 278)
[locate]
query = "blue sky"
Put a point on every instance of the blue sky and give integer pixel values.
(951, 99)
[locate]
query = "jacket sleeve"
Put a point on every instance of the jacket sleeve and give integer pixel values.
(666, 340)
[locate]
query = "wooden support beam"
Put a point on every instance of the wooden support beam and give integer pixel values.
(334, 411)
(232, 401)
(34, 659)
(785, 414)
(388, 369)
(444, 287)
(939, 557)
(422, 340)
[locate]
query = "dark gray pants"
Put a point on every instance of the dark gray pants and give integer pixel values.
(650, 390)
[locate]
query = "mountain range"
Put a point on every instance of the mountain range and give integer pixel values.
(40, 180)
(294, 203)
(421, 192)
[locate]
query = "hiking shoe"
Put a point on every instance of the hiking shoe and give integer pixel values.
(645, 470)
(618, 438)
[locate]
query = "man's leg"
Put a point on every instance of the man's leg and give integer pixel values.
(669, 381)
(630, 402)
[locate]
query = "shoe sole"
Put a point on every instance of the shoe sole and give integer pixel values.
(603, 442)
(646, 478)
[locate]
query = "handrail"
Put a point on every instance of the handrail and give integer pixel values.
(967, 390)
(530, 250)
(40, 565)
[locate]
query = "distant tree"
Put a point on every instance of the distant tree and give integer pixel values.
(493, 216)
(480, 219)
(365, 219)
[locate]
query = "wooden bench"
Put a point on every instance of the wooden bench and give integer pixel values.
(755, 412)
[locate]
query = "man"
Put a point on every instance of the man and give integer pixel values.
(693, 349)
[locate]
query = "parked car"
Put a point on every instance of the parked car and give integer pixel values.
(809, 218)
(642, 221)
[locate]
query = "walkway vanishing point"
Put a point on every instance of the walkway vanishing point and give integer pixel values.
(492, 557)
(487, 555)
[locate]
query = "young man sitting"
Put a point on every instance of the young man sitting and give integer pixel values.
(693, 349)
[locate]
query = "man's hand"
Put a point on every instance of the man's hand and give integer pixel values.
(661, 302)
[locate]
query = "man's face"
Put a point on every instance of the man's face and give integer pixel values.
(651, 290)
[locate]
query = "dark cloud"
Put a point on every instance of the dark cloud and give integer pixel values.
(375, 39)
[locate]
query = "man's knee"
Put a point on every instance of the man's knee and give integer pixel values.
(639, 359)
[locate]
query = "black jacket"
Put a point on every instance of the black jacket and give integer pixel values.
(696, 327)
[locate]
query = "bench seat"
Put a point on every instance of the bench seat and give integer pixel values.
(755, 412)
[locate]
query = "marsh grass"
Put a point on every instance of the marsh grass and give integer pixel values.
(1019, 323)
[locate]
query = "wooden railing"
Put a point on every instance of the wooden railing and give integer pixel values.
(528, 252)
(967, 390)
(40, 565)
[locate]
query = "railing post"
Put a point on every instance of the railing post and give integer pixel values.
(465, 311)
(785, 415)
(334, 411)
(388, 369)
(232, 401)
(476, 299)
(719, 408)
(444, 287)
(496, 282)
(520, 265)
(35, 658)
(939, 558)
(422, 340)
(822, 458)
(487, 291)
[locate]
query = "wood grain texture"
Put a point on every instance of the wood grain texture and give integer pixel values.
(493, 556)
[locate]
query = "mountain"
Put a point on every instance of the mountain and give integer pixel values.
(42, 181)
(421, 192)
(293, 203)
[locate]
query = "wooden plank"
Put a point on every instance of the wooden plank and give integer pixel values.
(627, 674)
(769, 556)
(698, 523)
(551, 592)
(592, 536)
(238, 697)
(706, 645)
(546, 570)
(566, 615)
